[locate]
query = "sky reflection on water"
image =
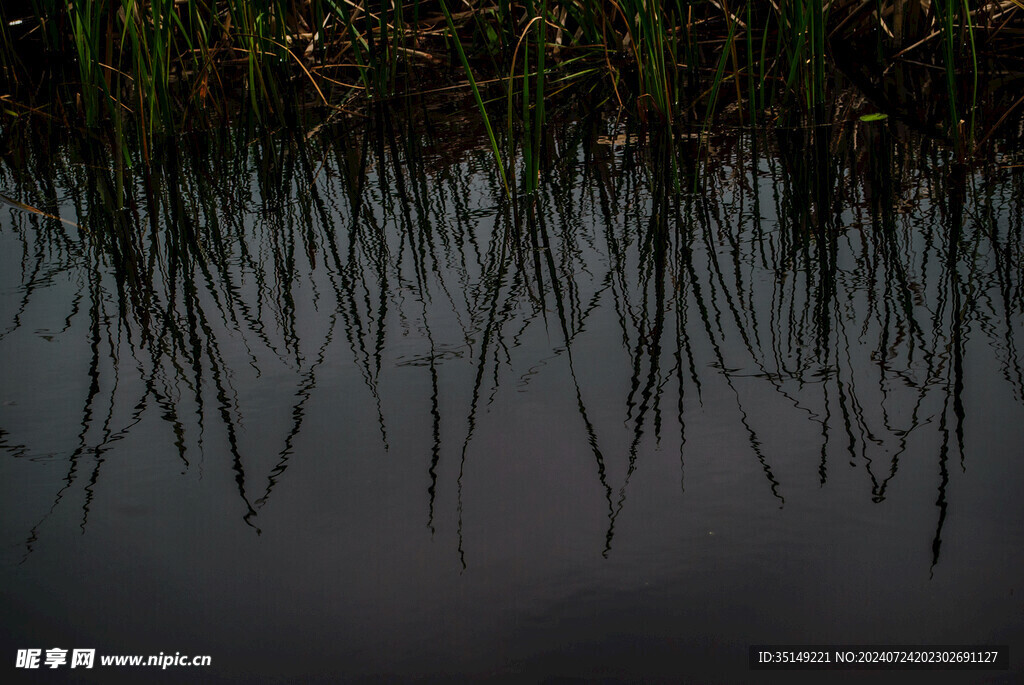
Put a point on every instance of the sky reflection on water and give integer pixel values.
(335, 408)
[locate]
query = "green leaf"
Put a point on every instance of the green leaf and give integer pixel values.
(491, 36)
(877, 116)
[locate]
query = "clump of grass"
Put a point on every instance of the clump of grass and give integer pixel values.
(174, 64)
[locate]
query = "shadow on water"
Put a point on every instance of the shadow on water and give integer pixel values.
(835, 281)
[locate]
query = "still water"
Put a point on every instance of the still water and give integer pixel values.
(331, 407)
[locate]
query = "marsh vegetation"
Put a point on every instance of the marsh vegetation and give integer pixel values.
(167, 65)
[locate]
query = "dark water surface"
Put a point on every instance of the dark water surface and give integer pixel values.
(330, 409)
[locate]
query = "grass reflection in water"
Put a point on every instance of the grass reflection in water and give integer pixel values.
(834, 285)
